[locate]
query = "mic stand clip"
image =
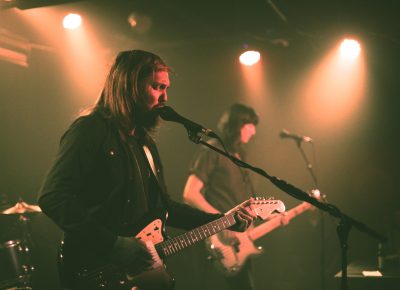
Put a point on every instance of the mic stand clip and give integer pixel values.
(194, 135)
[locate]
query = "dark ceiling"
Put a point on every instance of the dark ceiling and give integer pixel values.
(253, 21)
(287, 27)
(259, 21)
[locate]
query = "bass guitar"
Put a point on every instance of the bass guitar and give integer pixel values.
(101, 275)
(229, 255)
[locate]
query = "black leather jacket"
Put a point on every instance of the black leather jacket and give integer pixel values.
(95, 191)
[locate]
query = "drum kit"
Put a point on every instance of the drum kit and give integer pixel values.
(15, 254)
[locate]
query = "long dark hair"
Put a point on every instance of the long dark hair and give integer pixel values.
(122, 91)
(232, 121)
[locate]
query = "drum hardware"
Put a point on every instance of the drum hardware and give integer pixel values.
(16, 269)
(15, 254)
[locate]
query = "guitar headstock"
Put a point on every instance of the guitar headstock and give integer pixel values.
(263, 207)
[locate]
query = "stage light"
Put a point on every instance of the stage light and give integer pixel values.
(72, 21)
(334, 92)
(350, 48)
(249, 57)
(139, 23)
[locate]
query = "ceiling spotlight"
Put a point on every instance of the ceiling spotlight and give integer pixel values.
(249, 57)
(139, 22)
(350, 48)
(72, 21)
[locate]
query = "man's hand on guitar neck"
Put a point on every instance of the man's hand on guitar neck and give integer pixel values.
(244, 216)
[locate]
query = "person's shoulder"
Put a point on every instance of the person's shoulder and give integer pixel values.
(93, 121)
(214, 143)
(206, 152)
(92, 126)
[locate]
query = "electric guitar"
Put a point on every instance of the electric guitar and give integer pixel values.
(100, 274)
(229, 256)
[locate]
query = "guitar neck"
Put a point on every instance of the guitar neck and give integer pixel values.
(178, 243)
(275, 222)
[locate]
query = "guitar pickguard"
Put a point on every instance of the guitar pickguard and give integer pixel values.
(152, 232)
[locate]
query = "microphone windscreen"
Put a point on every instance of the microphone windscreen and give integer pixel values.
(169, 114)
(284, 133)
(166, 112)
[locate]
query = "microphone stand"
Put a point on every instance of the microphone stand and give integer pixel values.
(323, 197)
(345, 224)
(309, 166)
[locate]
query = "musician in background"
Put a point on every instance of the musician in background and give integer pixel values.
(215, 184)
(108, 176)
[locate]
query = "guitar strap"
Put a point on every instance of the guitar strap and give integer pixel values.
(155, 173)
(150, 161)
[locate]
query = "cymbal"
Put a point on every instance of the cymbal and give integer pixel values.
(22, 207)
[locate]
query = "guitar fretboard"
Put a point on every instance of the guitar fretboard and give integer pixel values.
(178, 243)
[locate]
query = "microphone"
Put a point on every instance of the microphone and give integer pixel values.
(169, 114)
(298, 138)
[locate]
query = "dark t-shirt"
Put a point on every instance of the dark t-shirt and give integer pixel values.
(225, 184)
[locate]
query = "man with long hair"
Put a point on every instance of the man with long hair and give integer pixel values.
(107, 178)
(215, 183)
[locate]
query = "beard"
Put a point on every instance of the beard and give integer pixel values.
(146, 118)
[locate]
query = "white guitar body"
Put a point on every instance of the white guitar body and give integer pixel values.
(231, 257)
